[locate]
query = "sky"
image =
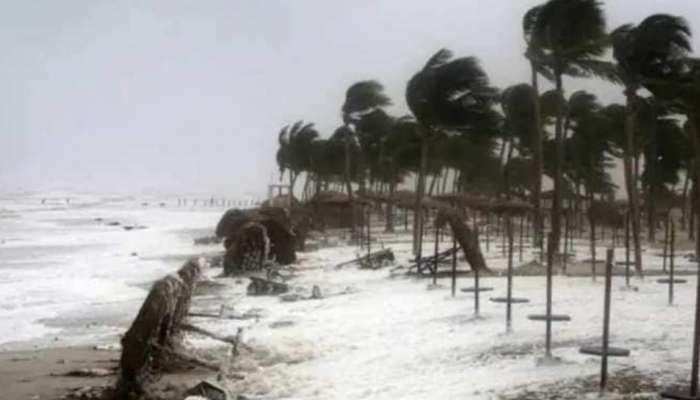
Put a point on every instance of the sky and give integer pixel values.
(176, 96)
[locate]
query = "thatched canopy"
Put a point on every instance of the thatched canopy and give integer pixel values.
(407, 199)
(337, 199)
(234, 219)
(467, 200)
(242, 230)
(280, 201)
(512, 207)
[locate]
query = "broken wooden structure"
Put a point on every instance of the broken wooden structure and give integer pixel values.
(465, 236)
(373, 260)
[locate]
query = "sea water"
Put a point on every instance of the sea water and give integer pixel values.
(73, 267)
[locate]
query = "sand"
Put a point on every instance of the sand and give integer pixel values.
(39, 374)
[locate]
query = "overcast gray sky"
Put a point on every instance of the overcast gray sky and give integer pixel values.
(189, 96)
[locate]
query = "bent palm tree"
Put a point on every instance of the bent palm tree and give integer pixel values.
(360, 98)
(447, 94)
(570, 36)
(642, 51)
(294, 153)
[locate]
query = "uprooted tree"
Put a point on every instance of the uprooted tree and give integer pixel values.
(156, 328)
(465, 236)
(254, 236)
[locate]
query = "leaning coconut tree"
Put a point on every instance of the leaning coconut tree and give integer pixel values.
(534, 53)
(400, 150)
(570, 37)
(360, 98)
(645, 52)
(447, 94)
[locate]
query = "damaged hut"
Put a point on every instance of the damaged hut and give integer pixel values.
(467, 238)
(254, 237)
(333, 210)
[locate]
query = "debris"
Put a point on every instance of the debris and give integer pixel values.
(281, 324)
(260, 286)
(374, 260)
(89, 372)
(208, 390)
(465, 236)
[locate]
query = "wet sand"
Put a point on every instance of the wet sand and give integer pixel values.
(40, 374)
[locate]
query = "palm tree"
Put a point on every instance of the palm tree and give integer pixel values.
(400, 153)
(569, 36)
(447, 94)
(360, 98)
(533, 53)
(644, 51)
(295, 142)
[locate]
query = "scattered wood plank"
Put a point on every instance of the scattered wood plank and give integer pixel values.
(373, 260)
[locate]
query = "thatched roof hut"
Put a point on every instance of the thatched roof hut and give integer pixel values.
(467, 200)
(512, 207)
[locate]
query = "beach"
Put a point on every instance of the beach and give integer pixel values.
(72, 284)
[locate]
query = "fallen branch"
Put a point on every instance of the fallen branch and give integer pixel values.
(373, 258)
(235, 340)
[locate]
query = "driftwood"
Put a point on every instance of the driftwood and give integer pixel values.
(465, 236)
(375, 258)
(260, 286)
(155, 327)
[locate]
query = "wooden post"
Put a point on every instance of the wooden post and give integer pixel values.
(672, 245)
(548, 329)
(627, 250)
(369, 236)
(606, 322)
(486, 227)
(435, 263)
(696, 340)
(566, 238)
(454, 264)
(666, 238)
(509, 228)
(520, 240)
(592, 220)
(503, 232)
(476, 291)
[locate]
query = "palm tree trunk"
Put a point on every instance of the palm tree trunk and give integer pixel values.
(651, 191)
(557, 193)
(630, 178)
(693, 124)
(348, 184)
(537, 156)
(389, 227)
(420, 188)
(292, 180)
(684, 208)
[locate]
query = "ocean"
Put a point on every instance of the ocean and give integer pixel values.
(76, 270)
